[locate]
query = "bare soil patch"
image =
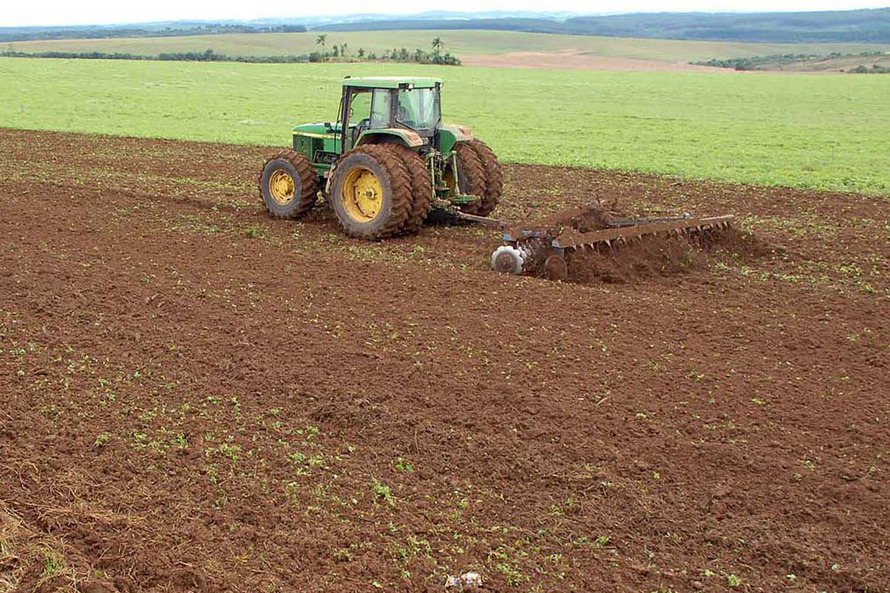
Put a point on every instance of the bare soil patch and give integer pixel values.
(576, 60)
(196, 397)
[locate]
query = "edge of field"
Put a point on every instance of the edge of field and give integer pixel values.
(462, 43)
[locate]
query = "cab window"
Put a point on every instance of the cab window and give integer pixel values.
(418, 108)
(359, 107)
(381, 109)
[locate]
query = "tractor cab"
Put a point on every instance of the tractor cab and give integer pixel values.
(374, 110)
(405, 107)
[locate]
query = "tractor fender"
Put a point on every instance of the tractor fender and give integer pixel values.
(379, 136)
(451, 134)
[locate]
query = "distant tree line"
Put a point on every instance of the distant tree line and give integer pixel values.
(204, 56)
(875, 69)
(339, 53)
(759, 62)
(776, 61)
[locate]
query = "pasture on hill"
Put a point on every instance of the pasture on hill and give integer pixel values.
(825, 132)
(460, 43)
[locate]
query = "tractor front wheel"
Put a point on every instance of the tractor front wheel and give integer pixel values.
(370, 192)
(288, 185)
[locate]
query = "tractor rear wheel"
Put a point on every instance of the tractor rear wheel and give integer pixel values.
(288, 185)
(371, 192)
(421, 187)
(470, 175)
(494, 177)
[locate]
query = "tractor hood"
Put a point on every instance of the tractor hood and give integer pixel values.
(320, 129)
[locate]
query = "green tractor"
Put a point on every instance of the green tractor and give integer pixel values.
(385, 162)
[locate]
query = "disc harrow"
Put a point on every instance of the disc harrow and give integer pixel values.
(543, 252)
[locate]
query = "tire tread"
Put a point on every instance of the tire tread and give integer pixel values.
(494, 177)
(399, 182)
(469, 162)
(308, 182)
(421, 188)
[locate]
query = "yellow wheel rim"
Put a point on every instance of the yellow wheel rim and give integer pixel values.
(362, 195)
(281, 186)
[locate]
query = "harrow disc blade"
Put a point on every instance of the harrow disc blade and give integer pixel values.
(507, 259)
(629, 233)
(556, 267)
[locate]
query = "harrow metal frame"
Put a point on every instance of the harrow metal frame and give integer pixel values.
(621, 231)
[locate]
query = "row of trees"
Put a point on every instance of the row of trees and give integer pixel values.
(875, 69)
(340, 52)
(776, 61)
(204, 56)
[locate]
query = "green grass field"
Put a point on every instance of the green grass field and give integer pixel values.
(821, 131)
(460, 43)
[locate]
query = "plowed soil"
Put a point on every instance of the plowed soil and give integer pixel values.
(197, 397)
(579, 60)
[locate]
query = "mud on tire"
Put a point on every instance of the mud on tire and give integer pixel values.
(494, 177)
(421, 188)
(471, 175)
(396, 206)
(294, 198)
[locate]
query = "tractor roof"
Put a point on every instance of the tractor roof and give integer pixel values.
(391, 82)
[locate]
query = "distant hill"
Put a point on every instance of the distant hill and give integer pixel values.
(852, 26)
(172, 29)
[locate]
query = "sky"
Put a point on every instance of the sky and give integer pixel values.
(82, 12)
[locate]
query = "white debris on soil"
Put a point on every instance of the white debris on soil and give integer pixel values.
(466, 580)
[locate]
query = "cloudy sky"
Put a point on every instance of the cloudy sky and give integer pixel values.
(72, 12)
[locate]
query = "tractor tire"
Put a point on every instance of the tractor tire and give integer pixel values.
(494, 177)
(288, 185)
(470, 175)
(421, 188)
(370, 192)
